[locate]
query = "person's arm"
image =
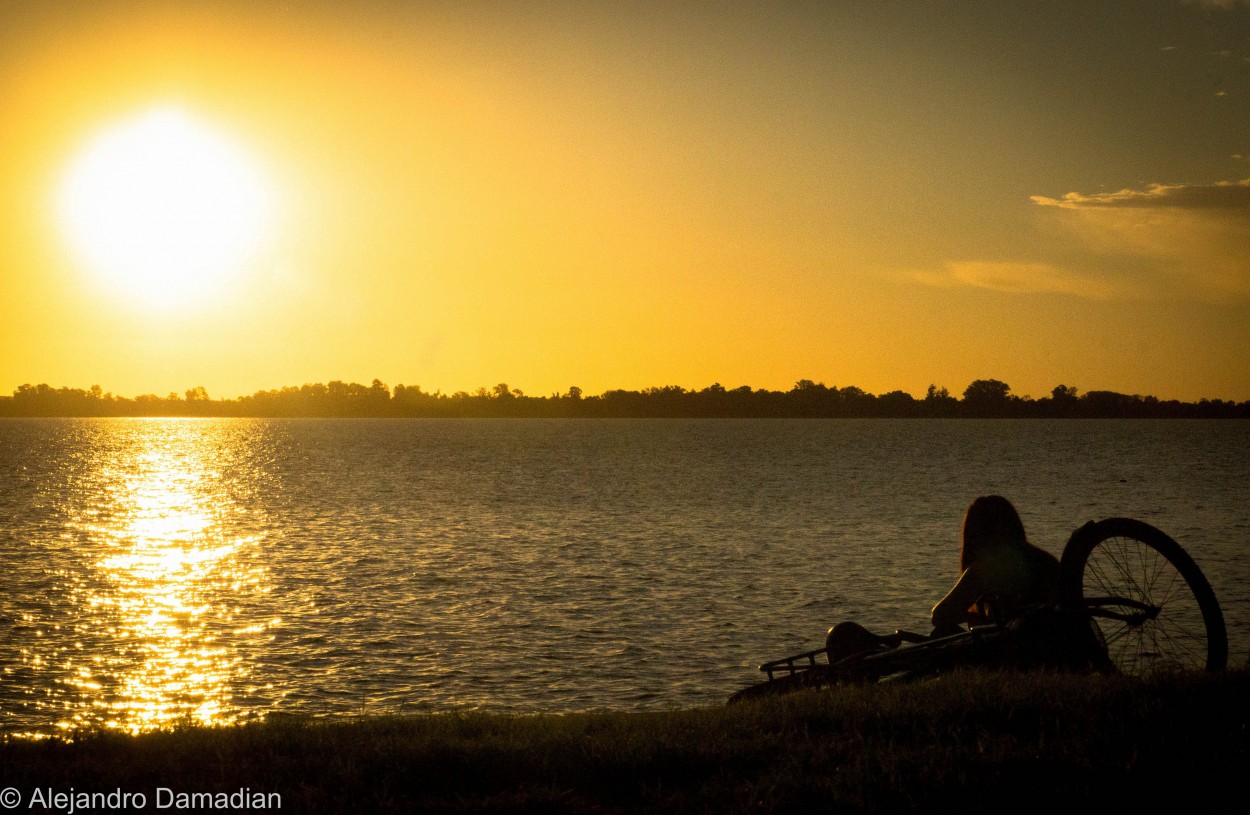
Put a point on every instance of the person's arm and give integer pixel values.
(952, 610)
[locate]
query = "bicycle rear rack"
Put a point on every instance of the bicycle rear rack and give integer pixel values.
(792, 664)
(805, 661)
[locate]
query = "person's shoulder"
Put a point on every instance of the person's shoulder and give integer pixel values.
(1015, 560)
(1041, 556)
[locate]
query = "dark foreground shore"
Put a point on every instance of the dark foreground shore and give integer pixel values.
(971, 742)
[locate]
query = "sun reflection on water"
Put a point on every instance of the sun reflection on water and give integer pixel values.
(162, 602)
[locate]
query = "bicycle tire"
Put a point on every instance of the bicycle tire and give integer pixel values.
(1171, 620)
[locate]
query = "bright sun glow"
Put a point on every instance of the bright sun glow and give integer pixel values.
(164, 207)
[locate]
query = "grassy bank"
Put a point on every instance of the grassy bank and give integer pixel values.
(981, 742)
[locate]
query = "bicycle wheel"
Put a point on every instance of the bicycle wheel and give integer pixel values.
(1153, 607)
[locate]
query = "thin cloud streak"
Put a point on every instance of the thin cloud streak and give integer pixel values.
(1226, 195)
(1012, 277)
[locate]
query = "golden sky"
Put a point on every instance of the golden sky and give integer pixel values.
(607, 195)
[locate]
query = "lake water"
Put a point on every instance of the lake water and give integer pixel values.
(222, 570)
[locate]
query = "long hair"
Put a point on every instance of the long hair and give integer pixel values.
(991, 522)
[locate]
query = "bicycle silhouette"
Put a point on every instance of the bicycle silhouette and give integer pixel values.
(1131, 600)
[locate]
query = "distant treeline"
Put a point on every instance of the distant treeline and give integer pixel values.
(984, 398)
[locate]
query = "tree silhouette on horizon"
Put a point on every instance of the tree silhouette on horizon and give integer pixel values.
(983, 398)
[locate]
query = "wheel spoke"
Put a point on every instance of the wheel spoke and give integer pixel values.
(1175, 589)
(1120, 564)
(1120, 633)
(1149, 560)
(1094, 568)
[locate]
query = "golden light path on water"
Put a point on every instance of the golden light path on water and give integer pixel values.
(165, 590)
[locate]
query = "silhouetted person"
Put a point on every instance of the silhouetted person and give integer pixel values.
(1001, 575)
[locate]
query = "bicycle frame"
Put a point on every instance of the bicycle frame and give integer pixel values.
(1145, 612)
(914, 655)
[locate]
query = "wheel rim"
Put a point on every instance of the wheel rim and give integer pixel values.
(1174, 638)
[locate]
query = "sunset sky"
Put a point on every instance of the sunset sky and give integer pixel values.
(619, 194)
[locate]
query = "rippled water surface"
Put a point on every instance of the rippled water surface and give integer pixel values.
(157, 571)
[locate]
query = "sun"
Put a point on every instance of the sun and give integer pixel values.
(164, 208)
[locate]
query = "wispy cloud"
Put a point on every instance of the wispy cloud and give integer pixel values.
(1019, 278)
(1224, 195)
